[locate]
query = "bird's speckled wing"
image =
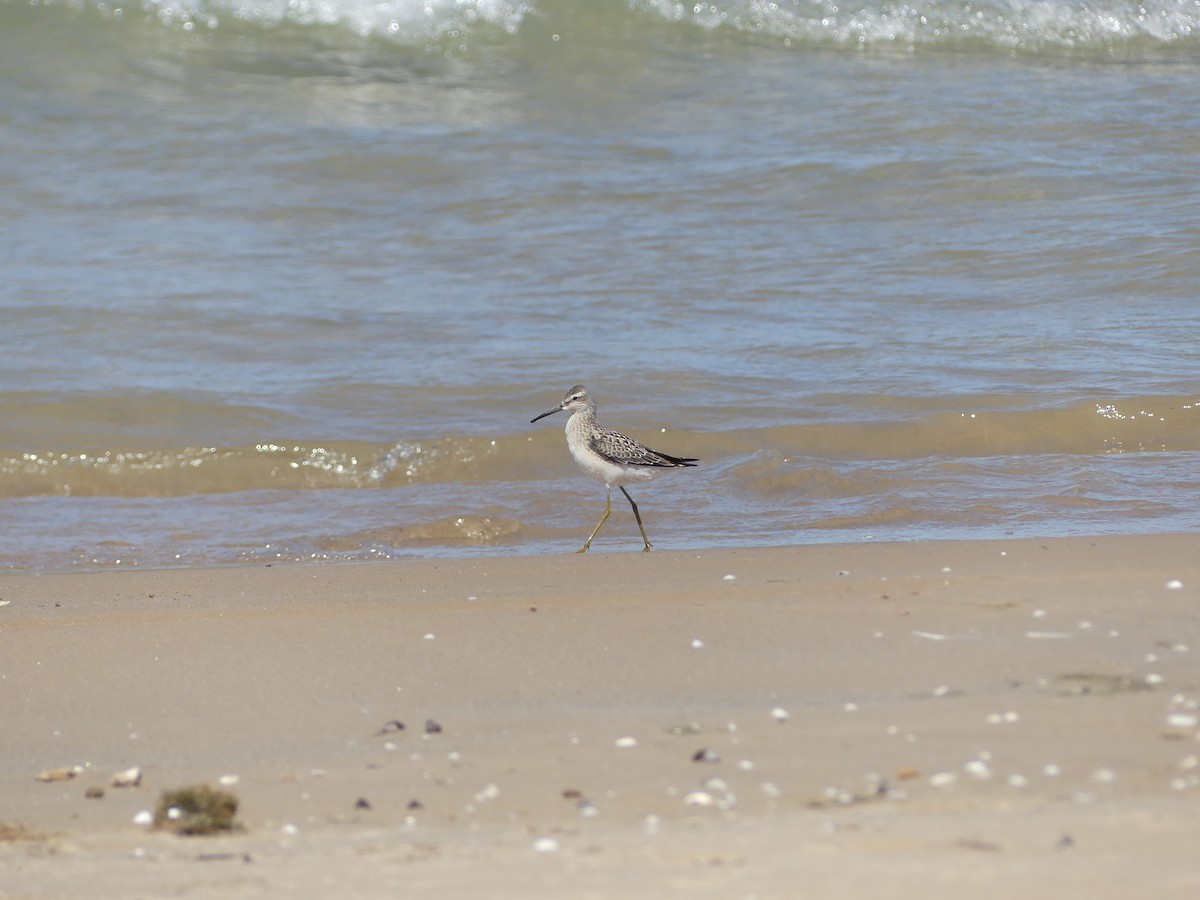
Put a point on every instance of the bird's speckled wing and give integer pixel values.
(625, 451)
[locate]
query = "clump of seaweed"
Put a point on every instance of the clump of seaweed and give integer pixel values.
(197, 809)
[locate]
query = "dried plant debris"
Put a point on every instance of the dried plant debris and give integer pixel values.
(11, 832)
(65, 773)
(1076, 684)
(197, 809)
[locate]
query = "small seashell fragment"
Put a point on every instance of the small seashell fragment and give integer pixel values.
(978, 768)
(491, 792)
(697, 644)
(145, 817)
(1174, 585)
(779, 714)
(626, 742)
(65, 773)
(131, 777)
(943, 779)
(1182, 720)
(716, 785)
(699, 798)
(545, 845)
(706, 755)
(730, 578)
(227, 780)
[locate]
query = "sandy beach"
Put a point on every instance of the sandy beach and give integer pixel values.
(983, 719)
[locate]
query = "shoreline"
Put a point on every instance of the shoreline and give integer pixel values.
(996, 715)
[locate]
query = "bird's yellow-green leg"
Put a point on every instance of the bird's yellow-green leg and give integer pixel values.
(637, 516)
(607, 513)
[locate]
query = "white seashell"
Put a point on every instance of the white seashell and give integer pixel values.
(978, 768)
(491, 792)
(699, 798)
(545, 845)
(1182, 720)
(626, 742)
(145, 817)
(943, 779)
(779, 714)
(131, 777)
(1174, 584)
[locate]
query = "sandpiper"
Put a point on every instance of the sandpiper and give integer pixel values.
(609, 456)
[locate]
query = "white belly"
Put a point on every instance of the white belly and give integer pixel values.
(596, 466)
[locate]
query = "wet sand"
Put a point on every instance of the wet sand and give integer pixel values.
(983, 719)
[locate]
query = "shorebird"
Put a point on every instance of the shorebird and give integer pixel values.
(609, 456)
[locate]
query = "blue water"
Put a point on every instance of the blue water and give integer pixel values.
(289, 281)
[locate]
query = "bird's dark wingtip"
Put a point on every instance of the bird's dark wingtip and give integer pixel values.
(688, 461)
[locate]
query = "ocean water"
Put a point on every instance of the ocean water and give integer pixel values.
(288, 280)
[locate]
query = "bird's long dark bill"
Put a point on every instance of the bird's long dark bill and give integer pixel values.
(548, 412)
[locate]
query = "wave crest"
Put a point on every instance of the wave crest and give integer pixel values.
(1015, 25)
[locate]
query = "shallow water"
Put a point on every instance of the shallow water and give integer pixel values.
(289, 281)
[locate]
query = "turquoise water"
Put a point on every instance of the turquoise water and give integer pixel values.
(288, 281)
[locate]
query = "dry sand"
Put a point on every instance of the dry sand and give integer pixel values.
(974, 719)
